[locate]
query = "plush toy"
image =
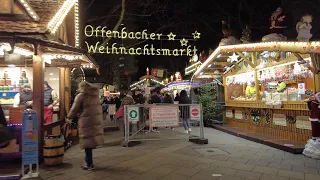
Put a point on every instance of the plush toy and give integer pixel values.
(312, 148)
(303, 28)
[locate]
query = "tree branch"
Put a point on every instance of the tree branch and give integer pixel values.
(119, 21)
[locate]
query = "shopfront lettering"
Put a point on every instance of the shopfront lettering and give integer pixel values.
(147, 49)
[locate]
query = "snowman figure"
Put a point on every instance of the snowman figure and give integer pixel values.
(303, 28)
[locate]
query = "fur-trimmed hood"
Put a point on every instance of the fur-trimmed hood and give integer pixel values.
(88, 89)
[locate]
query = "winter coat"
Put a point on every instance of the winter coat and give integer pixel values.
(90, 123)
(184, 110)
(315, 111)
(168, 99)
(127, 100)
(155, 99)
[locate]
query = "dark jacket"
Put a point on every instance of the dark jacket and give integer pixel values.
(139, 99)
(184, 110)
(155, 99)
(168, 99)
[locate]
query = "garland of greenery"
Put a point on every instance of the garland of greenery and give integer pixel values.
(290, 119)
(255, 114)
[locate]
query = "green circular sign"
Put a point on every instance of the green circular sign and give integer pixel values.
(133, 114)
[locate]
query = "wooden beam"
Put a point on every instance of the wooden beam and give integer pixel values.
(38, 96)
(67, 89)
(297, 55)
(246, 59)
(221, 63)
(254, 57)
(62, 108)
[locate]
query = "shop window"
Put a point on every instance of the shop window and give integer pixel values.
(241, 87)
(286, 82)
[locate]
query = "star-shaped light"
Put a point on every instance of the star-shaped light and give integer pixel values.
(234, 57)
(196, 35)
(171, 36)
(184, 42)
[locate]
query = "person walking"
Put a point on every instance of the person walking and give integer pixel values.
(184, 110)
(90, 123)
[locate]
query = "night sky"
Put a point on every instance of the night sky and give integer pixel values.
(183, 17)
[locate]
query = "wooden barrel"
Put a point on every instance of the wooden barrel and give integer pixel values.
(53, 150)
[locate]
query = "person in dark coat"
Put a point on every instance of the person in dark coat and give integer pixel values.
(155, 98)
(177, 97)
(184, 110)
(167, 99)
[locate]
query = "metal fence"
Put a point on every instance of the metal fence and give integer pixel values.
(162, 122)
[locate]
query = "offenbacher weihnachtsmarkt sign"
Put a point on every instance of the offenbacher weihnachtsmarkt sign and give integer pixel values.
(147, 49)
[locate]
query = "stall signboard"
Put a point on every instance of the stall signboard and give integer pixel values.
(229, 114)
(29, 138)
(301, 88)
(238, 115)
(65, 63)
(133, 114)
(195, 112)
(302, 122)
(30, 147)
(279, 119)
(164, 116)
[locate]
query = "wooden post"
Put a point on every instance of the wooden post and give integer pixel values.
(67, 92)
(38, 95)
(62, 94)
(317, 82)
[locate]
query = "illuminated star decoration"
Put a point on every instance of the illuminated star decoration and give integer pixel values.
(171, 36)
(196, 35)
(234, 57)
(184, 42)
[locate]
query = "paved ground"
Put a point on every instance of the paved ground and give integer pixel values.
(226, 157)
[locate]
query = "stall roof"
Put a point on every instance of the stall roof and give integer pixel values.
(61, 47)
(36, 20)
(219, 58)
(44, 9)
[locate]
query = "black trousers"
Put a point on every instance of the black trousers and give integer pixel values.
(89, 159)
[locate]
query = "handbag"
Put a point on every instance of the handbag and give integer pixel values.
(119, 113)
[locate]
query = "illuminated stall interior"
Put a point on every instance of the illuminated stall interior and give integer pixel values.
(267, 85)
(39, 41)
(146, 81)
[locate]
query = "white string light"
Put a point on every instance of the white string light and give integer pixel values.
(138, 83)
(58, 18)
(29, 9)
(76, 22)
(256, 47)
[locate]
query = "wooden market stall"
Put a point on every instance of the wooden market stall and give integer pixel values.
(39, 41)
(267, 86)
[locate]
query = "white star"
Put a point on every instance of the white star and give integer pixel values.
(184, 42)
(171, 36)
(234, 57)
(196, 35)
